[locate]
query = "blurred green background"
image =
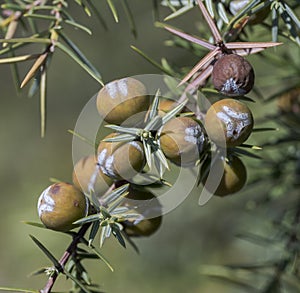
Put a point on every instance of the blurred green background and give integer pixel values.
(191, 236)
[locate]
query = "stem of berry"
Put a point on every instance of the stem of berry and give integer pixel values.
(65, 257)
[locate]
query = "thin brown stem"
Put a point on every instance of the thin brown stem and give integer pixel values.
(65, 257)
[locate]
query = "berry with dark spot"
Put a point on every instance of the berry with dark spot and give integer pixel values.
(60, 205)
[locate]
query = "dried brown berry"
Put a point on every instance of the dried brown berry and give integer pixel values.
(121, 160)
(60, 205)
(233, 75)
(182, 140)
(228, 122)
(233, 178)
(145, 202)
(87, 176)
(121, 99)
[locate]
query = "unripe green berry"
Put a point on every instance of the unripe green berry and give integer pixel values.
(121, 160)
(228, 122)
(60, 205)
(121, 99)
(145, 227)
(233, 178)
(182, 140)
(87, 176)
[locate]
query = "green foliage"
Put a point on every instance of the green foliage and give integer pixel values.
(39, 26)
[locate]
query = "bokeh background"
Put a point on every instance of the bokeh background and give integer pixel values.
(190, 237)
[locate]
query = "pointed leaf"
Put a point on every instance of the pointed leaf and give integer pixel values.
(88, 219)
(115, 194)
(171, 114)
(101, 257)
(252, 45)
(200, 79)
(243, 12)
(129, 130)
(246, 52)
(130, 17)
(116, 203)
(43, 89)
(158, 166)
(35, 224)
(116, 232)
(81, 137)
(98, 14)
(160, 155)
(18, 58)
(85, 8)
(294, 31)
(213, 28)
(108, 231)
(47, 253)
(103, 235)
(275, 27)
(80, 62)
(11, 30)
(150, 60)
(35, 85)
(37, 272)
(18, 290)
(120, 138)
(249, 146)
(210, 9)
(15, 73)
(78, 52)
(78, 25)
(222, 12)
(154, 106)
(40, 16)
(189, 38)
(204, 61)
(120, 210)
(246, 153)
(292, 15)
(26, 40)
(35, 67)
(113, 10)
(95, 200)
(77, 282)
(94, 231)
(179, 12)
(167, 66)
(147, 150)
(154, 124)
